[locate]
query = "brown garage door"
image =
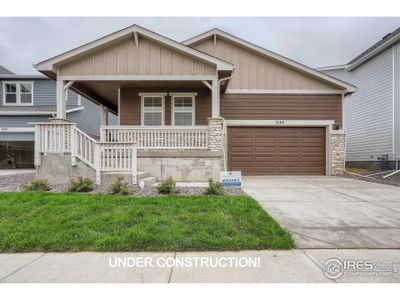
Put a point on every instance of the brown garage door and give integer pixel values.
(276, 150)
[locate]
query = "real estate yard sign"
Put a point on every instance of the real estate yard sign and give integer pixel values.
(231, 178)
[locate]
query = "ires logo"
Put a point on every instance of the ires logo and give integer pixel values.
(335, 268)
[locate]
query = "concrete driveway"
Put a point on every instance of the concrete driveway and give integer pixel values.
(331, 212)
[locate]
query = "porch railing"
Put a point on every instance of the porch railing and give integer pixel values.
(53, 138)
(66, 138)
(167, 137)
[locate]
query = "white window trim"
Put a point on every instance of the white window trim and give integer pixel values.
(193, 96)
(18, 95)
(162, 95)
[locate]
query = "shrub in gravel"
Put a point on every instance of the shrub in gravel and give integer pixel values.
(39, 185)
(81, 185)
(167, 187)
(214, 188)
(120, 186)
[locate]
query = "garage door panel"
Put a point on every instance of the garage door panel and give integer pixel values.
(276, 150)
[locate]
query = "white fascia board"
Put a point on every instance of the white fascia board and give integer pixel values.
(26, 113)
(285, 60)
(7, 76)
(75, 109)
(328, 68)
(47, 65)
(374, 52)
(280, 123)
(16, 129)
(36, 113)
(266, 91)
(137, 77)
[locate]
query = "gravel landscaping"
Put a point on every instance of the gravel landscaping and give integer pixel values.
(378, 178)
(14, 183)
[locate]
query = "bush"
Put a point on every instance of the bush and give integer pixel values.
(167, 186)
(40, 185)
(120, 187)
(214, 188)
(81, 185)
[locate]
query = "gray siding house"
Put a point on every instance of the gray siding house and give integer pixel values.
(26, 99)
(372, 113)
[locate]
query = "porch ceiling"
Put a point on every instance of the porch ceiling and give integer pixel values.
(106, 92)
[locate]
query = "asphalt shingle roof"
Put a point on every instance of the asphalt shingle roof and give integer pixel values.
(376, 45)
(4, 70)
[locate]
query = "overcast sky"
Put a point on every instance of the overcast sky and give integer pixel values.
(311, 41)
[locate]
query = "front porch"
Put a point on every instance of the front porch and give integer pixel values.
(139, 153)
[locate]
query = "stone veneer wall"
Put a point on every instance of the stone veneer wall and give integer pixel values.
(338, 152)
(215, 134)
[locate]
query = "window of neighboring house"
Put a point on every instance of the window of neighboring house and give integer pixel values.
(183, 109)
(18, 93)
(152, 109)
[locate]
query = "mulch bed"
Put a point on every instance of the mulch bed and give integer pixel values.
(14, 183)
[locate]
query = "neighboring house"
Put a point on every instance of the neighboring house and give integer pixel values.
(372, 113)
(26, 99)
(192, 109)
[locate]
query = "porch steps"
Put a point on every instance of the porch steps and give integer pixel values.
(110, 177)
(147, 181)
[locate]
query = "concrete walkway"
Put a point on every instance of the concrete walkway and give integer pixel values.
(331, 212)
(275, 266)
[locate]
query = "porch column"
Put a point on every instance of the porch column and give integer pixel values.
(215, 99)
(61, 104)
(104, 115)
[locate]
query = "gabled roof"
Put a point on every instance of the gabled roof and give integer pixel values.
(270, 54)
(375, 49)
(47, 65)
(4, 71)
(388, 40)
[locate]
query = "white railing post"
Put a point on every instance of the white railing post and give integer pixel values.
(97, 162)
(73, 145)
(38, 142)
(134, 164)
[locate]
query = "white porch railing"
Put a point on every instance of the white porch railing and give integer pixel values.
(83, 147)
(151, 137)
(118, 157)
(53, 138)
(66, 138)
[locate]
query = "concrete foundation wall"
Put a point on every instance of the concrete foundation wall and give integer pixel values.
(182, 165)
(57, 169)
(373, 165)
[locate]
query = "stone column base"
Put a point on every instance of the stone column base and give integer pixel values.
(338, 151)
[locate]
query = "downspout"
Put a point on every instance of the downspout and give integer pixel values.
(224, 129)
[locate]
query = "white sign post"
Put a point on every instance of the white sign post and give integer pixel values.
(231, 179)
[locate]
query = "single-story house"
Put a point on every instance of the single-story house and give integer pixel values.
(372, 113)
(27, 99)
(192, 109)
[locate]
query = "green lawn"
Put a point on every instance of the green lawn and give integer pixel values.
(80, 222)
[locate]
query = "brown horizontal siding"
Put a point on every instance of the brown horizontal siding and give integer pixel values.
(130, 111)
(130, 107)
(281, 107)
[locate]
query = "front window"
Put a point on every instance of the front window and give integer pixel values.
(18, 93)
(153, 110)
(183, 110)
